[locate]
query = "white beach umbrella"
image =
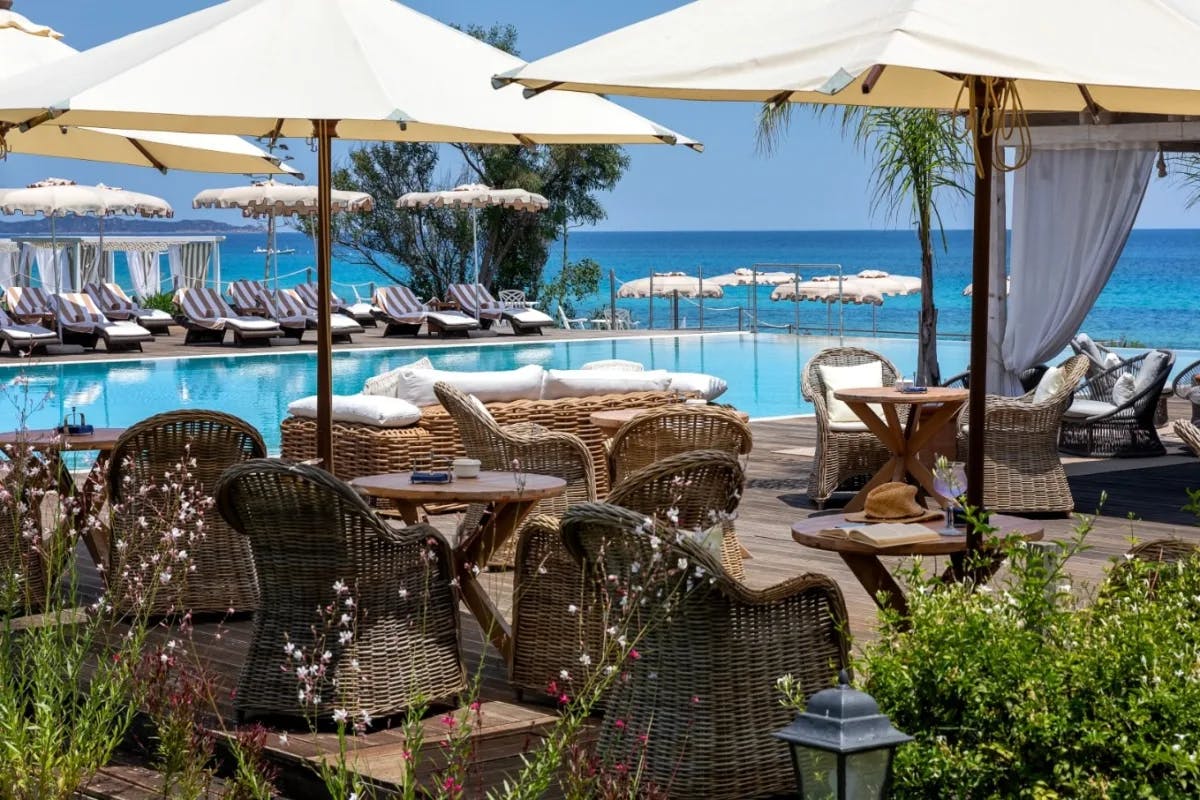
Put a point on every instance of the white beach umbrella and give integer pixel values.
(25, 45)
(668, 284)
(887, 284)
(994, 62)
(831, 289)
(745, 276)
(475, 196)
(271, 199)
(969, 289)
(57, 197)
(348, 71)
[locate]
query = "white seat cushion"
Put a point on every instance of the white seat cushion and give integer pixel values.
(416, 385)
(452, 319)
(384, 412)
(153, 315)
(251, 323)
(848, 427)
(859, 376)
(1089, 408)
(1124, 389)
(709, 387)
(615, 364)
(1049, 384)
(530, 316)
(125, 330)
(386, 383)
(562, 383)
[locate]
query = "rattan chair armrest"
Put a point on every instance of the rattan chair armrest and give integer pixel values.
(801, 584)
(524, 429)
(1183, 384)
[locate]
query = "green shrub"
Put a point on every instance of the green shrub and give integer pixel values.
(163, 301)
(1024, 690)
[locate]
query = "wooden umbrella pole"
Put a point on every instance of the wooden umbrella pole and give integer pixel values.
(324, 131)
(981, 245)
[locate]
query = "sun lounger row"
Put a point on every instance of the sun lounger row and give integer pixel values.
(287, 307)
(76, 315)
(477, 302)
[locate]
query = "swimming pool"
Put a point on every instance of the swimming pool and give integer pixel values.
(763, 373)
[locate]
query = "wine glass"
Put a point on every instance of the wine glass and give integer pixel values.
(949, 481)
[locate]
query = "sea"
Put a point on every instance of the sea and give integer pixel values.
(1152, 298)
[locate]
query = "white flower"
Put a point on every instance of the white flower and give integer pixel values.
(585, 659)
(344, 637)
(682, 563)
(340, 715)
(564, 675)
(283, 740)
(572, 608)
(289, 648)
(366, 718)
(339, 587)
(403, 592)
(345, 620)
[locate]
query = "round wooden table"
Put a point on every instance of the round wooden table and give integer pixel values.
(611, 420)
(904, 441)
(52, 443)
(863, 559)
(510, 497)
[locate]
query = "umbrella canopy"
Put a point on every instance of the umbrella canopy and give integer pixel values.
(56, 197)
(266, 198)
(887, 284)
(25, 45)
(475, 195)
(349, 67)
(826, 289)
(667, 284)
(744, 276)
(992, 62)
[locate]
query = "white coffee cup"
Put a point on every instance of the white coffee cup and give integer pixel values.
(466, 467)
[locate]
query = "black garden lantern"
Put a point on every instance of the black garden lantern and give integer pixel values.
(841, 745)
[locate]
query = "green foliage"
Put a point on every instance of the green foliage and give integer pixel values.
(163, 301)
(430, 248)
(575, 282)
(1027, 691)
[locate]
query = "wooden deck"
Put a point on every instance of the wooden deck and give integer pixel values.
(774, 499)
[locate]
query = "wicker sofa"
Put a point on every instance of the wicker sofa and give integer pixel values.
(361, 449)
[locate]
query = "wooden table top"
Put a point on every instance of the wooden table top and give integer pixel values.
(489, 487)
(808, 533)
(886, 394)
(100, 439)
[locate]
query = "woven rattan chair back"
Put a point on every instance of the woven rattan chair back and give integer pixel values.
(23, 579)
(156, 453)
(695, 491)
(310, 531)
(702, 687)
(662, 432)
(813, 387)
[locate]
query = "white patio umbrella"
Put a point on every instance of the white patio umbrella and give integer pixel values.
(57, 197)
(887, 284)
(25, 45)
(993, 62)
(745, 276)
(475, 196)
(349, 67)
(270, 199)
(829, 289)
(669, 284)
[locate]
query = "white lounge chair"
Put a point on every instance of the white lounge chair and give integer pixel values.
(207, 316)
(24, 337)
(404, 314)
(82, 322)
(30, 305)
(111, 299)
(249, 298)
(570, 323)
(476, 301)
(360, 312)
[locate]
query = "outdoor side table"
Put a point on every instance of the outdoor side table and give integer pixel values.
(863, 559)
(904, 441)
(53, 443)
(509, 503)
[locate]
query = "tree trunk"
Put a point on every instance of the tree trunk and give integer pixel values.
(928, 371)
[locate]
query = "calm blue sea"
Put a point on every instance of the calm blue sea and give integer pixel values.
(1151, 298)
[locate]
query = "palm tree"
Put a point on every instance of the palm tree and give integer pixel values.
(918, 154)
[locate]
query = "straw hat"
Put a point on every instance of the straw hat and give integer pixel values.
(893, 502)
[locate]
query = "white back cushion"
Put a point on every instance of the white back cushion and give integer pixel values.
(615, 364)
(1049, 384)
(710, 387)
(591, 382)
(1124, 389)
(385, 412)
(416, 385)
(859, 376)
(386, 383)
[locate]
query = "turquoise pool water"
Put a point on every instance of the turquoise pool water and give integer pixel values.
(763, 373)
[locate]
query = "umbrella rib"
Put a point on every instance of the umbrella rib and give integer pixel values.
(530, 93)
(1094, 108)
(154, 162)
(873, 75)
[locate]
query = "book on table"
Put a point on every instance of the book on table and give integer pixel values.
(885, 534)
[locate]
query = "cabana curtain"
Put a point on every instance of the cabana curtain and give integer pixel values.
(49, 267)
(189, 263)
(144, 272)
(1073, 209)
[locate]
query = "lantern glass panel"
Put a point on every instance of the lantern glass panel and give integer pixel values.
(818, 773)
(867, 774)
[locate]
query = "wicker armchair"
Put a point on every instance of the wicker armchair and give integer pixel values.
(1096, 425)
(1022, 471)
(1186, 386)
(663, 432)
(703, 687)
(547, 580)
(539, 450)
(310, 531)
(853, 452)
(1029, 378)
(222, 574)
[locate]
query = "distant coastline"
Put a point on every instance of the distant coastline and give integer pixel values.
(114, 226)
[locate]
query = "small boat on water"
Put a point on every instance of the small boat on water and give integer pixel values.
(262, 251)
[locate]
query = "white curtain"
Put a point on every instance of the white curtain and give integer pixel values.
(97, 269)
(189, 263)
(50, 268)
(8, 267)
(143, 272)
(1072, 212)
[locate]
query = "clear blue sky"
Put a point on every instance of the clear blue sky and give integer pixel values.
(818, 180)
